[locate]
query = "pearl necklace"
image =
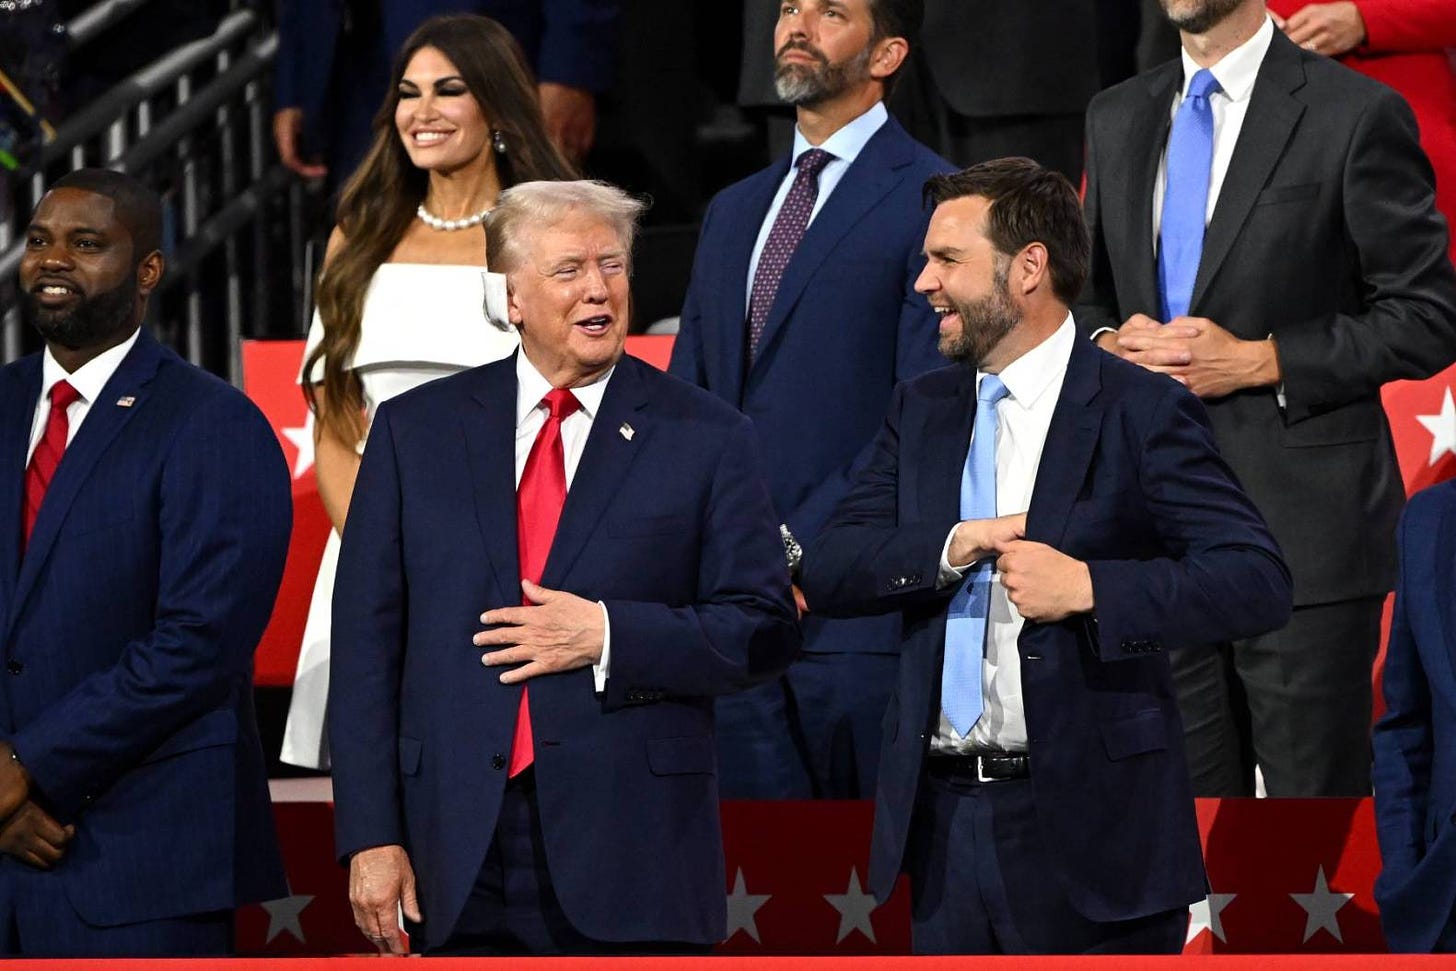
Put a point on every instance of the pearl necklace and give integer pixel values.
(450, 225)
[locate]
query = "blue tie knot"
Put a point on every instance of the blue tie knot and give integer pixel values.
(1203, 84)
(991, 390)
(813, 161)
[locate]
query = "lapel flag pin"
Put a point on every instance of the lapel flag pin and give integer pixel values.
(627, 431)
(125, 401)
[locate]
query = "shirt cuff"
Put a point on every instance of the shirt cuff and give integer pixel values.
(603, 668)
(949, 575)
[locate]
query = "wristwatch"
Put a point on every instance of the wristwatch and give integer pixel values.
(793, 552)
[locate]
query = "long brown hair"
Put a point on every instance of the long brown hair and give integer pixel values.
(379, 200)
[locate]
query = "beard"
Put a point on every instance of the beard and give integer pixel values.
(984, 323)
(811, 84)
(1200, 16)
(87, 322)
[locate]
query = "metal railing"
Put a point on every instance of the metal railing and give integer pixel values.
(194, 125)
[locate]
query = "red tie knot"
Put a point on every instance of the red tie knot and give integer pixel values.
(63, 395)
(562, 403)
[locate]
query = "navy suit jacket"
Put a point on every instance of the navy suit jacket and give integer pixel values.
(1415, 747)
(846, 325)
(1131, 483)
(129, 627)
(669, 526)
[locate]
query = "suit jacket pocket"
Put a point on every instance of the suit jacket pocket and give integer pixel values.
(688, 755)
(1287, 193)
(409, 755)
(1358, 422)
(218, 727)
(653, 526)
(1143, 731)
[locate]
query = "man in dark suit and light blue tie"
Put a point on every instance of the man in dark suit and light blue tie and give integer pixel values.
(1264, 230)
(801, 314)
(1049, 522)
(553, 785)
(1415, 748)
(144, 520)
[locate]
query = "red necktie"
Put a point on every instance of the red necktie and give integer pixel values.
(47, 454)
(539, 499)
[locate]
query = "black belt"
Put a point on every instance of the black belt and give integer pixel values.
(984, 767)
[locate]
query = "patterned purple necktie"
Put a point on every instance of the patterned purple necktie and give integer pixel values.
(783, 239)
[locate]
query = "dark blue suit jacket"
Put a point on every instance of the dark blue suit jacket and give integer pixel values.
(1130, 482)
(671, 528)
(1415, 748)
(129, 628)
(569, 42)
(846, 325)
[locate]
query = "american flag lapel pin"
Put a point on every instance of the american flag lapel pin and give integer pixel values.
(627, 431)
(125, 401)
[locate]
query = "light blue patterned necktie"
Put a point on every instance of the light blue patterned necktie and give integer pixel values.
(1185, 196)
(965, 625)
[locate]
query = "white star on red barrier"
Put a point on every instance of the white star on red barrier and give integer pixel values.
(1321, 907)
(742, 906)
(285, 914)
(1206, 915)
(1442, 427)
(855, 907)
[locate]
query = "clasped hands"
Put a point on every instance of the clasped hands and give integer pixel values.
(1195, 352)
(27, 832)
(557, 631)
(1045, 584)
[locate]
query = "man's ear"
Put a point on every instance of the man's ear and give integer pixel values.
(1035, 271)
(149, 272)
(887, 56)
(513, 309)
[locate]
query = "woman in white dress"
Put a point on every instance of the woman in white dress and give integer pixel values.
(401, 295)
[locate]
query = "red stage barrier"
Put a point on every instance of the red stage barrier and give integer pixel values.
(1288, 876)
(1360, 962)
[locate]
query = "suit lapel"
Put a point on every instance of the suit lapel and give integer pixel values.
(744, 221)
(947, 432)
(489, 428)
(869, 178)
(1271, 120)
(104, 421)
(19, 392)
(1149, 139)
(604, 462)
(1070, 442)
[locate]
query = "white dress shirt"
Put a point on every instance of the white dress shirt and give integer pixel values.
(88, 380)
(531, 414)
(1034, 384)
(845, 145)
(1236, 73)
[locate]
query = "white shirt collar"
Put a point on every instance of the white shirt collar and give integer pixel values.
(531, 387)
(90, 378)
(849, 141)
(1029, 376)
(1237, 70)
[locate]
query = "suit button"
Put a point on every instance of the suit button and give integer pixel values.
(14, 666)
(497, 761)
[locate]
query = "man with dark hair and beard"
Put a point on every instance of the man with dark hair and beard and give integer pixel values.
(801, 313)
(1264, 231)
(1049, 522)
(144, 518)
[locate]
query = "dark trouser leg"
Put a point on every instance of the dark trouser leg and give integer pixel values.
(1215, 720)
(1309, 697)
(758, 755)
(838, 706)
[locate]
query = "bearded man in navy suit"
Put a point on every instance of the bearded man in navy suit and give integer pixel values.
(550, 778)
(1049, 522)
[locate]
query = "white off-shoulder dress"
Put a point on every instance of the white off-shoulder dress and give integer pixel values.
(421, 322)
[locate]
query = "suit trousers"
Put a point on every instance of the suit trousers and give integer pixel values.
(981, 881)
(38, 921)
(513, 908)
(1296, 703)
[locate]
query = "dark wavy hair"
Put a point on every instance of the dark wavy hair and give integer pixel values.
(379, 200)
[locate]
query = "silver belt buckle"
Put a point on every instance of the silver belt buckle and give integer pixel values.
(980, 771)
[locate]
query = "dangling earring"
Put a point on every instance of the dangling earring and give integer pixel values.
(498, 141)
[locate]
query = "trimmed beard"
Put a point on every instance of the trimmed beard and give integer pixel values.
(803, 84)
(984, 323)
(88, 322)
(1200, 21)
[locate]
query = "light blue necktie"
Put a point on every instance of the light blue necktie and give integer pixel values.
(965, 625)
(1185, 196)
